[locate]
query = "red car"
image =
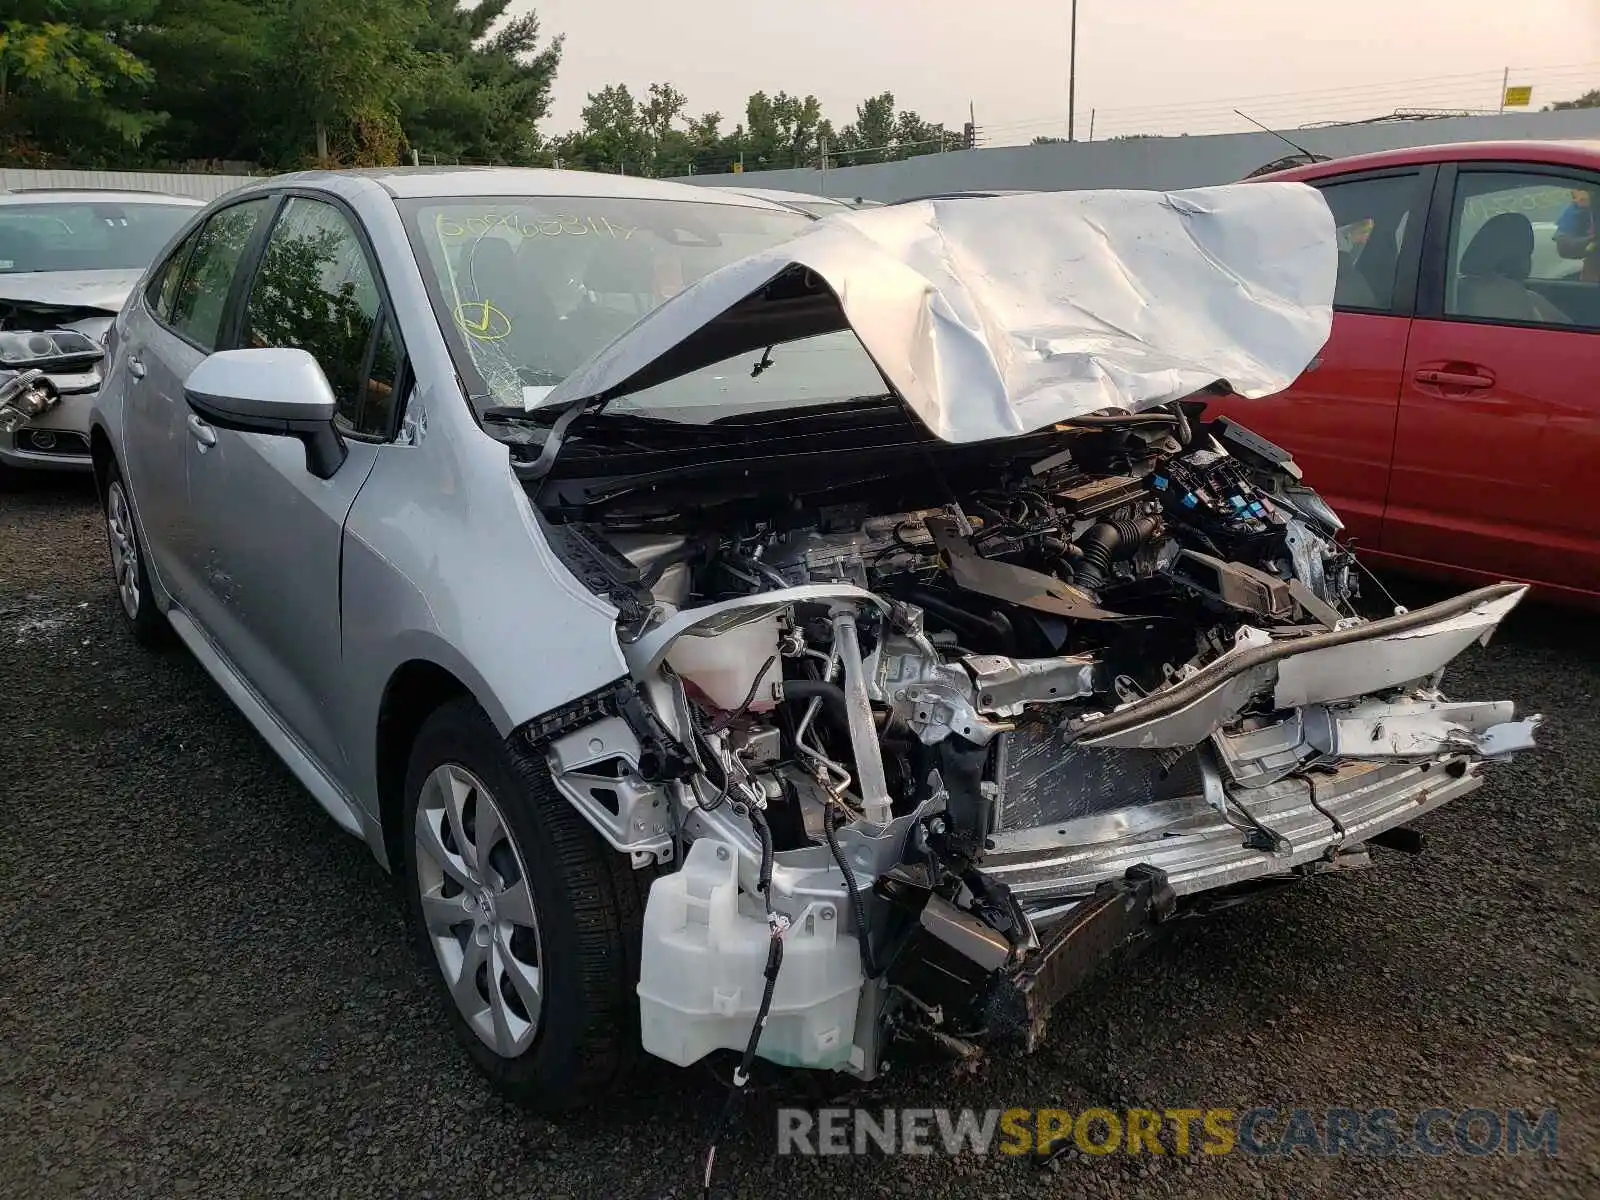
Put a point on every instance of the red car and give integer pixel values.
(1453, 419)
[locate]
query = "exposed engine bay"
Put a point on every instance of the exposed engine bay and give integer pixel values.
(942, 737)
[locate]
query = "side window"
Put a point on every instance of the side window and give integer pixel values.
(164, 283)
(316, 291)
(381, 382)
(1373, 217)
(202, 293)
(1523, 249)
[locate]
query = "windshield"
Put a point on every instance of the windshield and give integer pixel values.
(529, 288)
(86, 235)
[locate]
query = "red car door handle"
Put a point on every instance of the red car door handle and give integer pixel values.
(1456, 379)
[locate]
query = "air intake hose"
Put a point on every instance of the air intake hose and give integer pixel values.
(1110, 541)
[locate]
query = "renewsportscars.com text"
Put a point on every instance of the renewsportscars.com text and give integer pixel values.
(1374, 1132)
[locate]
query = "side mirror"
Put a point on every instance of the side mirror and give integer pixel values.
(274, 391)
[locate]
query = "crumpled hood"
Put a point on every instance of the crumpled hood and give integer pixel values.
(997, 316)
(105, 290)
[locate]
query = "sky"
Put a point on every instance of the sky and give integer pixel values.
(1151, 66)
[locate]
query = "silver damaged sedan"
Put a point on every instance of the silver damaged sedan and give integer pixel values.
(744, 632)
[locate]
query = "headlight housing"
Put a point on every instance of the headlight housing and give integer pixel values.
(20, 350)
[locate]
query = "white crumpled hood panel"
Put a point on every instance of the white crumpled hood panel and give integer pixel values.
(995, 316)
(105, 290)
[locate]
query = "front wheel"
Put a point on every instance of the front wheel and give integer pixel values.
(128, 570)
(527, 922)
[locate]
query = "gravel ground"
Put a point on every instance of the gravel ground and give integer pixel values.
(205, 989)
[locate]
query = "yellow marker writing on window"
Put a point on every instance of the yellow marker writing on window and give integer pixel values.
(482, 320)
(494, 224)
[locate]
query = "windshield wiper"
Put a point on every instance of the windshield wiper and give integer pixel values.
(620, 423)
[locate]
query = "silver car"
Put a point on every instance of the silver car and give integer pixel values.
(67, 262)
(802, 202)
(750, 633)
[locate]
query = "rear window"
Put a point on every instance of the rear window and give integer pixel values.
(86, 235)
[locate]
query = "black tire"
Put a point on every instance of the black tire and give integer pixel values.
(145, 621)
(590, 906)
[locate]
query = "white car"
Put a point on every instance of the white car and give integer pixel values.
(67, 262)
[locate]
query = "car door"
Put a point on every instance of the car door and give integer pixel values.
(270, 529)
(1338, 418)
(1499, 428)
(170, 328)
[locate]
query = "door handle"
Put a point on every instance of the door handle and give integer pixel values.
(1456, 379)
(201, 432)
(135, 366)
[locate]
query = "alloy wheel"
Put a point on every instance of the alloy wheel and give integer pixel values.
(478, 906)
(124, 548)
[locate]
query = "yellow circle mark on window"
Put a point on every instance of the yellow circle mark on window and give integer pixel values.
(482, 320)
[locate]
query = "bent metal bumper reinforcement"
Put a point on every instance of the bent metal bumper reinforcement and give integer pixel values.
(1305, 670)
(1050, 869)
(1019, 1006)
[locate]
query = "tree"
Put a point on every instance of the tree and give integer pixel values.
(708, 149)
(613, 134)
(341, 60)
(781, 130)
(879, 134)
(213, 67)
(669, 148)
(870, 137)
(1587, 100)
(69, 85)
(914, 136)
(286, 83)
(481, 86)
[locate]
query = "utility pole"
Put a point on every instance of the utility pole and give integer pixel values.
(1505, 82)
(1072, 72)
(822, 144)
(1092, 111)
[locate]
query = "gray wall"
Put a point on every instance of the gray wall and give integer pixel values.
(202, 187)
(1163, 163)
(1140, 163)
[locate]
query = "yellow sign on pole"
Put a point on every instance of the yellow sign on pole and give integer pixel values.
(1518, 97)
(738, 168)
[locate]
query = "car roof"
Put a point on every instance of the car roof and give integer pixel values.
(407, 183)
(1574, 153)
(974, 194)
(94, 196)
(783, 197)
